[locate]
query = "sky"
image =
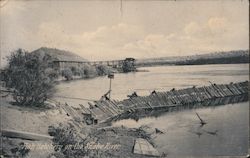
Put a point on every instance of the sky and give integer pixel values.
(116, 29)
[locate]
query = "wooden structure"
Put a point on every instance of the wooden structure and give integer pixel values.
(24, 135)
(106, 110)
(63, 64)
(143, 147)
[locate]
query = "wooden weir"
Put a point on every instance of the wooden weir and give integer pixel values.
(107, 110)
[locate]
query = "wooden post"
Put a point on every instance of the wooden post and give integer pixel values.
(110, 76)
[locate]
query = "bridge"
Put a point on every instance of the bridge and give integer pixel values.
(112, 63)
(61, 64)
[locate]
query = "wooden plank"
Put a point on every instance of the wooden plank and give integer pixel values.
(115, 107)
(233, 89)
(209, 96)
(212, 90)
(236, 89)
(24, 135)
(245, 86)
(67, 110)
(140, 102)
(165, 98)
(239, 88)
(111, 107)
(170, 98)
(177, 96)
(196, 94)
(215, 88)
(227, 90)
(84, 109)
(212, 95)
(143, 147)
(153, 100)
(115, 104)
(100, 106)
(222, 91)
(203, 93)
(161, 98)
(107, 109)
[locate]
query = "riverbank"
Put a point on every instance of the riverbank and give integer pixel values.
(101, 140)
(26, 119)
(103, 112)
(176, 126)
(109, 70)
(229, 57)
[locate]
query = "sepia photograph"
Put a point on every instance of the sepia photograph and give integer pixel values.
(124, 79)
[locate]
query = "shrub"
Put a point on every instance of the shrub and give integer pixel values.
(128, 66)
(76, 71)
(102, 70)
(89, 71)
(31, 76)
(67, 141)
(67, 74)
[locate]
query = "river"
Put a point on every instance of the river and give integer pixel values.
(180, 128)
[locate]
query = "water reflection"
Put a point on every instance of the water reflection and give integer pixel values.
(226, 131)
(138, 114)
(158, 78)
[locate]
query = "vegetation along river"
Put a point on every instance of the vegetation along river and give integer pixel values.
(181, 129)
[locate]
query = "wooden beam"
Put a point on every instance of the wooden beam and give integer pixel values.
(24, 135)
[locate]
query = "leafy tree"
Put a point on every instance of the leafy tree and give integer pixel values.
(31, 76)
(89, 71)
(68, 74)
(102, 70)
(76, 71)
(128, 65)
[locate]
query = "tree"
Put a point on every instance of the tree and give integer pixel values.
(128, 65)
(102, 70)
(89, 71)
(31, 76)
(67, 74)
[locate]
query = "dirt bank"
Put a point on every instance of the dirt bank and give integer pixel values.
(100, 141)
(26, 119)
(29, 119)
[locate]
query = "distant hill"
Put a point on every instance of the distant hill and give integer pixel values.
(58, 54)
(230, 57)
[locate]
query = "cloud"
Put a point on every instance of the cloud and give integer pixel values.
(215, 26)
(192, 28)
(215, 34)
(125, 40)
(217, 23)
(115, 35)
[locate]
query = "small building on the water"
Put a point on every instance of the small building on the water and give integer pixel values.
(129, 65)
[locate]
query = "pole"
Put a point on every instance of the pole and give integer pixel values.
(110, 89)
(110, 76)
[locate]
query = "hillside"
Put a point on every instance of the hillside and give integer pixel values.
(61, 55)
(230, 57)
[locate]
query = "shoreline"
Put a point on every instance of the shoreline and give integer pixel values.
(44, 120)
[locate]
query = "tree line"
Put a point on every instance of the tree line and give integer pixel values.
(32, 77)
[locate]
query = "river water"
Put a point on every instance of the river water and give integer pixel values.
(180, 128)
